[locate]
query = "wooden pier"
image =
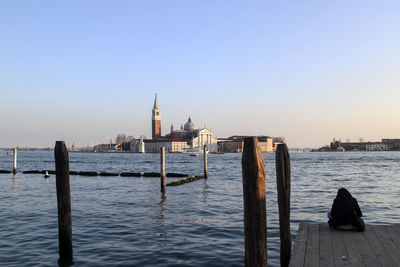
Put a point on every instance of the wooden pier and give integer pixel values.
(318, 245)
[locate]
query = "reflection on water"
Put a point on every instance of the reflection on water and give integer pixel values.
(163, 233)
(128, 221)
(15, 182)
(205, 187)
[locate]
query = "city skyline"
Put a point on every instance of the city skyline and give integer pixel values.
(310, 71)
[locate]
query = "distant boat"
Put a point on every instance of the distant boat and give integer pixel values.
(217, 153)
(340, 149)
(193, 154)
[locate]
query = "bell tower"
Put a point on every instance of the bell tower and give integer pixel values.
(155, 120)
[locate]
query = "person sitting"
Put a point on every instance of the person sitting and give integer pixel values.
(346, 213)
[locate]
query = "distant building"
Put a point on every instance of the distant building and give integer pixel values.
(137, 145)
(235, 144)
(154, 146)
(105, 147)
(354, 146)
(384, 145)
(156, 120)
(394, 144)
(228, 145)
(194, 137)
(186, 138)
(376, 146)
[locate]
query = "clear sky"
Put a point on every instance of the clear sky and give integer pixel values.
(84, 71)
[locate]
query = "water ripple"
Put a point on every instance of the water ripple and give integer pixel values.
(123, 221)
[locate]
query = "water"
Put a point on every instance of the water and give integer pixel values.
(125, 221)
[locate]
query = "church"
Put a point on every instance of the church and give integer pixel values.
(187, 139)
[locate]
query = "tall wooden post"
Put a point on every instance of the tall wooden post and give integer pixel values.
(63, 202)
(282, 161)
(255, 214)
(162, 169)
(205, 161)
(15, 161)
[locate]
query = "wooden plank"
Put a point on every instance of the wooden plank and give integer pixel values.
(312, 251)
(367, 252)
(319, 245)
(382, 255)
(325, 246)
(387, 243)
(394, 233)
(353, 252)
(299, 249)
(338, 248)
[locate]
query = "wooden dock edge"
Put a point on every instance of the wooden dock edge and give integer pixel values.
(317, 244)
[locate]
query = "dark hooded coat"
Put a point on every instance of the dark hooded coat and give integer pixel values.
(345, 210)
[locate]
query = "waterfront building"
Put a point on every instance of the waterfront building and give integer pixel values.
(196, 138)
(376, 146)
(394, 144)
(384, 145)
(188, 138)
(154, 146)
(105, 147)
(235, 144)
(137, 145)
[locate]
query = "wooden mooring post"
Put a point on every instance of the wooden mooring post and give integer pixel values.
(282, 162)
(205, 161)
(255, 214)
(63, 203)
(162, 154)
(15, 161)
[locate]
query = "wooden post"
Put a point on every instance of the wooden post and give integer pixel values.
(15, 161)
(205, 161)
(63, 202)
(162, 169)
(255, 214)
(282, 161)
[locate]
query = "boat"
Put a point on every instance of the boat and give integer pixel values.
(194, 154)
(340, 149)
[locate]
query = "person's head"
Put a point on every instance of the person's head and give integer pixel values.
(343, 192)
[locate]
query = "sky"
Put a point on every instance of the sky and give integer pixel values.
(310, 71)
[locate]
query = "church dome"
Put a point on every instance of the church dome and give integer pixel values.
(189, 125)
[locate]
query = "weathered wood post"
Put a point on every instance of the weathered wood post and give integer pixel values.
(15, 161)
(255, 214)
(63, 202)
(162, 169)
(205, 161)
(282, 161)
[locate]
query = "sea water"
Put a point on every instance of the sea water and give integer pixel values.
(125, 221)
